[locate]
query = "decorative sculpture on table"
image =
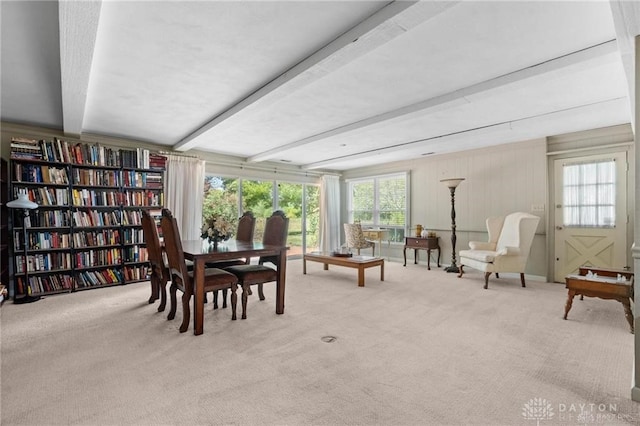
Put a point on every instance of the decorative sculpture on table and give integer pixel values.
(452, 184)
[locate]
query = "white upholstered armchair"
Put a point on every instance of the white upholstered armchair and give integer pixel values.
(507, 250)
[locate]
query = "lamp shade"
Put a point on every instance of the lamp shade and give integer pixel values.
(452, 183)
(22, 202)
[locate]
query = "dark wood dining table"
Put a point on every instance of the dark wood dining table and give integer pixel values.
(200, 253)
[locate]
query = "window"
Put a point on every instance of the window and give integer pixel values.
(589, 194)
(380, 201)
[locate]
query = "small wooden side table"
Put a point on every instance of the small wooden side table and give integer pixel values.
(605, 286)
(417, 243)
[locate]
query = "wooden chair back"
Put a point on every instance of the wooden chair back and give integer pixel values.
(154, 248)
(173, 248)
(246, 227)
(276, 230)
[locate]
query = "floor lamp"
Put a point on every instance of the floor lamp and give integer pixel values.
(452, 184)
(23, 202)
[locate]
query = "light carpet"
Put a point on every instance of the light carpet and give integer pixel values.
(421, 347)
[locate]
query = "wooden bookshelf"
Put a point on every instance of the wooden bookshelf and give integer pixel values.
(4, 224)
(86, 232)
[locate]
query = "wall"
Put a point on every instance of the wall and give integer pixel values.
(498, 180)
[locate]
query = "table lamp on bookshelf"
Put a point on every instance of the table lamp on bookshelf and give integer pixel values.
(23, 202)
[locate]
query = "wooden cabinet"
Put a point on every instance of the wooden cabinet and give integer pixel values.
(417, 243)
(86, 231)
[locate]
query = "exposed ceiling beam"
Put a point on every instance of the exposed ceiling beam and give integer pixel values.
(389, 22)
(441, 140)
(78, 23)
(566, 63)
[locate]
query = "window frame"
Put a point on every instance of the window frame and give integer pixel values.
(375, 212)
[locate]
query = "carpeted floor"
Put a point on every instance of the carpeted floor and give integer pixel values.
(422, 347)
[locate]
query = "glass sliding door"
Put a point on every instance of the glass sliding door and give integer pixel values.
(301, 203)
(220, 196)
(257, 197)
(290, 202)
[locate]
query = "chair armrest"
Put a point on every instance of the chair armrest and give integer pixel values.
(481, 245)
(508, 251)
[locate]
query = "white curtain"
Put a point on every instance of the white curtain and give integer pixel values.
(184, 193)
(329, 213)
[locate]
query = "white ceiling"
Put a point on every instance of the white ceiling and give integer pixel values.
(330, 85)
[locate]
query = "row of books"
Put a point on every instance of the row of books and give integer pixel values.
(46, 219)
(90, 258)
(94, 218)
(143, 198)
(133, 236)
(142, 179)
(92, 197)
(46, 196)
(98, 278)
(43, 262)
(61, 151)
(104, 237)
(135, 254)
(46, 284)
(35, 173)
(136, 273)
(42, 240)
(94, 177)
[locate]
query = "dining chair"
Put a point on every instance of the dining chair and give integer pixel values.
(244, 233)
(159, 269)
(183, 279)
(275, 233)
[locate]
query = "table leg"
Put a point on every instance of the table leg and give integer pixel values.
(428, 259)
(415, 256)
(304, 266)
(627, 312)
(360, 276)
(382, 272)
(198, 303)
(567, 307)
(438, 256)
(280, 284)
(326, 266)
(405, 256)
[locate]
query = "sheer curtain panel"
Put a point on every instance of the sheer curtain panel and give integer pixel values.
(185, 193)
(329, 213)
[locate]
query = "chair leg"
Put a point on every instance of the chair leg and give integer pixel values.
(215, 299)
(186, 312)
(522, 279)
(234, 301)
(174, 301)
(486, 279)
(260, 292)
(461, 271)
(163, 295)
(497, 276)
(245, 296)
(154, 288)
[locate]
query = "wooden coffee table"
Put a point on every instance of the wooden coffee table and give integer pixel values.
(605, 286)
(358, 262)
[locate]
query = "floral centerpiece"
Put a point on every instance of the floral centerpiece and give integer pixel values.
(217, 228)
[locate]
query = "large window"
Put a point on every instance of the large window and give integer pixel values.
(380, 201)
(589, 194)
